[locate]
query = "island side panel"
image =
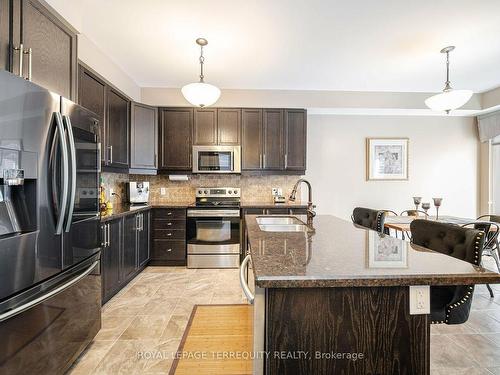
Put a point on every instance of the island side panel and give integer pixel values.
(375, 321)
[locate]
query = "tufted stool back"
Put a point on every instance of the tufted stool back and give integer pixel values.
(368, 218)
(453, 240)
(450, 304)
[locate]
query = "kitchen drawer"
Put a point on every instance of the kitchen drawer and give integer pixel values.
(253, 211)
(277, 211)
(169, 224)
(169, 234)
(168, 250)
(169, 213)
(213, 261)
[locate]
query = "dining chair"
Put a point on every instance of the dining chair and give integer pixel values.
(492, 248)
(450, 304)
(388, 230)
(369, 218)
(491, 230)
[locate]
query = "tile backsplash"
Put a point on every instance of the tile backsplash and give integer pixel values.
(253, 188)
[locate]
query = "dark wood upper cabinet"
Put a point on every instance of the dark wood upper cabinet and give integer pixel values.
(4, 34)
(229, 126)
(251, 139)
(53, 58)
(113, 111)
(295, 139)
(117, 145)
(217, 126)
(92, 95)
(205, 126)
(143, 137)
(272, 145)
(176, 127)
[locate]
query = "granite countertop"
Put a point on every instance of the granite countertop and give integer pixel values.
(122, 209)
(340, 254)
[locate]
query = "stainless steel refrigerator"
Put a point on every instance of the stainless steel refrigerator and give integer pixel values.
(50, 285)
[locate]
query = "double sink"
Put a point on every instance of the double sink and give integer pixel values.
(281, 224)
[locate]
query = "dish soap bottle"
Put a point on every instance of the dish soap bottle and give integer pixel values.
(102, 197)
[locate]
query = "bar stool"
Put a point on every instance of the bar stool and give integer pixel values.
(450, 304)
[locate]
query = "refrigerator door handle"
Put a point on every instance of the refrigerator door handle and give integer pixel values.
(65, 182)
(72, 149)
(11, 313)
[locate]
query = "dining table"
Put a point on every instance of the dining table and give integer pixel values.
(402, 223)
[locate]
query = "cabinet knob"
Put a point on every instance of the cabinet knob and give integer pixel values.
(169, 224)
(169, 213)
(169, 250)
(169, 234)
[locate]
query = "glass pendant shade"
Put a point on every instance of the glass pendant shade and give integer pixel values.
(448, 100)
(201, 94)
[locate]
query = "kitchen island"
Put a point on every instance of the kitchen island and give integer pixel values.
(326, 302)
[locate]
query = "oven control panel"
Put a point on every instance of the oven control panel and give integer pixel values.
(218, 192)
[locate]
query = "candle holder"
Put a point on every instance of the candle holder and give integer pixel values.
(437, 204)
(416, 202)
(425, 207)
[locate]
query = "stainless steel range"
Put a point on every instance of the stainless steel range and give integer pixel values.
(213, 229)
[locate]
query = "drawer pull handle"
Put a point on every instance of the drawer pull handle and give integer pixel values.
(169, 224)
(169, 213)
(169, 250)
(169, 234)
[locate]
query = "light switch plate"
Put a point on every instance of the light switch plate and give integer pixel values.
(420, 300)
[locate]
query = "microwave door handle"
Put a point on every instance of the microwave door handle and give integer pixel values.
(72, 148)
(65, 183)
(232, 161)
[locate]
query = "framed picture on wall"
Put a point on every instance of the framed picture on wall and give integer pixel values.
(387, 159)
(386, 252)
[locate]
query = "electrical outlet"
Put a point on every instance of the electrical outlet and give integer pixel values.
(276, 191)
(163, 191)
(111, 191)
(420, 300)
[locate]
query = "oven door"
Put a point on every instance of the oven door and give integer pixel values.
(216, 159)
(213, 231)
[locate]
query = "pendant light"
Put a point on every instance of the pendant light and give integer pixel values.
(449, 99)
(201, 94)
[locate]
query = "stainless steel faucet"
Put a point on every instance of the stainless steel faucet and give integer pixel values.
(310, 207)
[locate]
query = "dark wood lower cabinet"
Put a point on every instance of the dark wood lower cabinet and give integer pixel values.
(111, 258)
(168, 237)
(335, 325)
(130, 233)
(125, 252)
(144, 235)
(5, 34)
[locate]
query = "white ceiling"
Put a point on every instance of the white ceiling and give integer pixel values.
(360, 45)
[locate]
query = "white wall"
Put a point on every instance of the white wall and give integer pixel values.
(91, 55)
(443, 161)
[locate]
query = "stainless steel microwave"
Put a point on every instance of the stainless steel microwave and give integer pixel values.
(216, 159)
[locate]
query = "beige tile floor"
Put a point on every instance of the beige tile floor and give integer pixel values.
(143, 324)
